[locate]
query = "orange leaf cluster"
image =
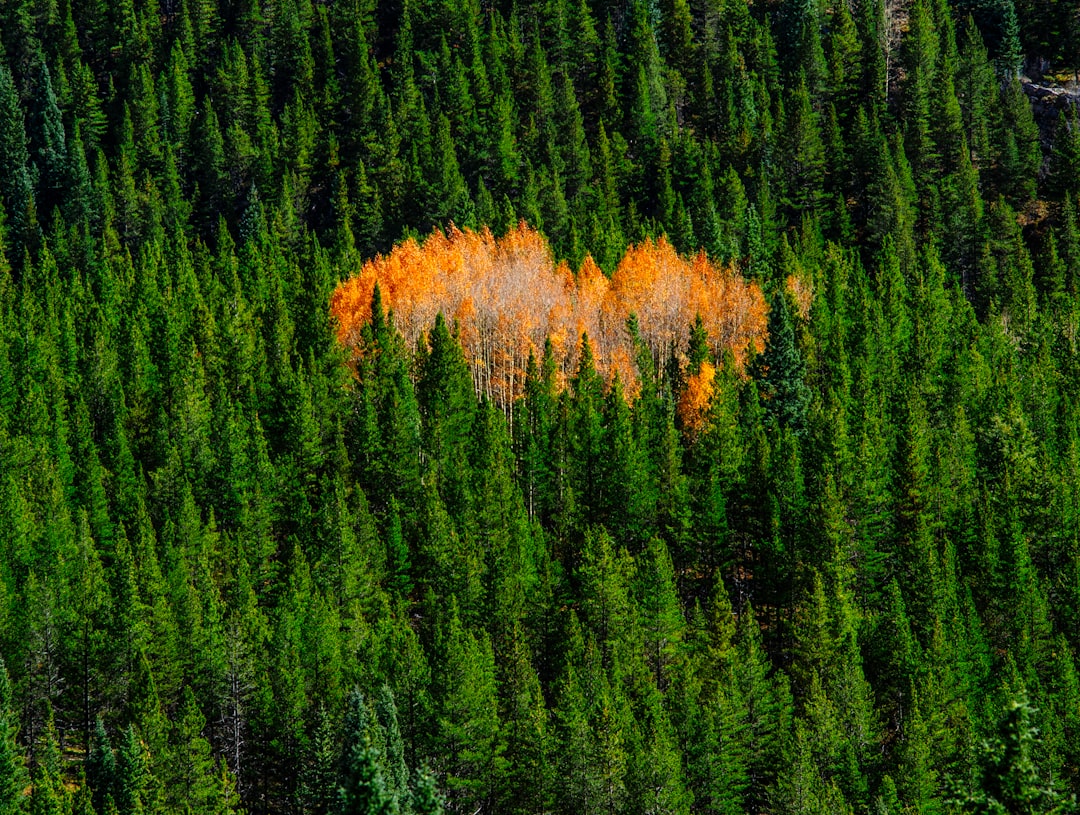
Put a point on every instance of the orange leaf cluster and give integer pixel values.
(508, 296)
(695, 398)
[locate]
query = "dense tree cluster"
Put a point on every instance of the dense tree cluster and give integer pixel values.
(509, 300)
(245, 567)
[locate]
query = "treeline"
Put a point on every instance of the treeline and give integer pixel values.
(242, 568)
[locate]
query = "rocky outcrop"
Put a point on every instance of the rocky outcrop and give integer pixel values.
(1047, 104)
(1048, 100)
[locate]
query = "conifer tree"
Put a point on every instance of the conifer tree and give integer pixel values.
(52, 152)
(48, 796)
(16, 189)
(767, 701)
(101, 769)
(976, 90)
(445, 395)
(1064, 177)
(661, 618)
(803, 174)
(12, 772)
(654, 777)
(319, 775)
(1008, 777)
(624, 489)
(426, 799)
(195, 786)
(527, 783)
(1069, 245)
(470, 733)
(363, 789)
(1020, 155)
(584, 427)
(784, 389)
(132, 775)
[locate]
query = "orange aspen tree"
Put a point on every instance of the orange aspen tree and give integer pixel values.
(695, 398)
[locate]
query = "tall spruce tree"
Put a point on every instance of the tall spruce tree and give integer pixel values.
(16, 189)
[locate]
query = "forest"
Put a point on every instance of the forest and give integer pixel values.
(528, 407)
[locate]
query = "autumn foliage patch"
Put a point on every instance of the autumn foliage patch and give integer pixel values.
(508, 296)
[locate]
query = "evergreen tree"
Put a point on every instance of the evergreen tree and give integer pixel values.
(101, 769)
(132, 775)
(319, 775)
(783, 387)
(804, 171)
(52, 152)
(363, 788)
(445, 396)
(1064, 177)
(16, 189)
(470, 734)
(12, 773)
(1008, 779)
(197, 785)
(767, 701)
(426, 799)
(661, 618)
